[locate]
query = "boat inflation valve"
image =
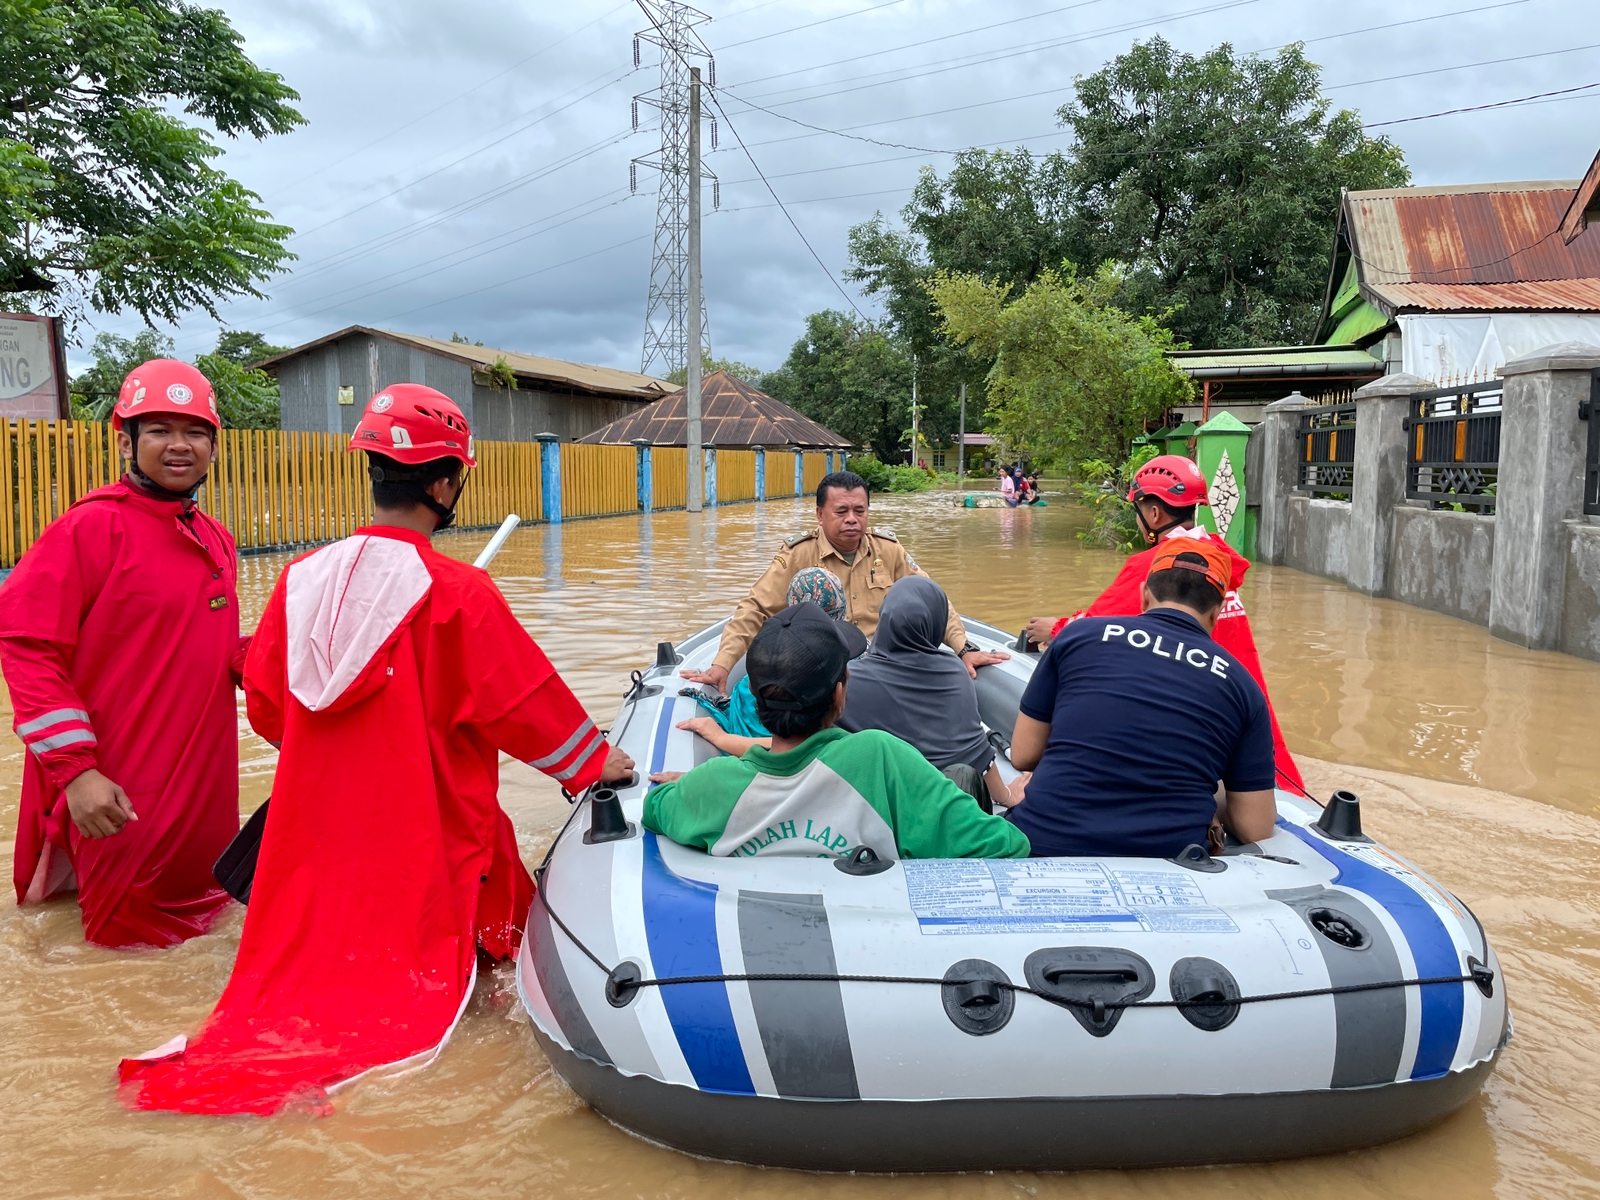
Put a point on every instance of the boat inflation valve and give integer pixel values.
(606, 821)
(863, 860)
(1208, 990)
(1197, 858)
(1339, 928)
(666, 656)
(1482, 976)
(622, 985)
(978, 997)
(1341, 819)
(1093, 983)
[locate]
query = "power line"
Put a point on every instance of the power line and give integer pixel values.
(1491, 62)
(732, 128)
(458, 161)
(962, 62)
(944, 37)
(813, 24)
(1450, 112)
(545, 49)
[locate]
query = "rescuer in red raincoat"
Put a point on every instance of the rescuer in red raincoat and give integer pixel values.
(1165, 493)
(393, 677)
(119, 639)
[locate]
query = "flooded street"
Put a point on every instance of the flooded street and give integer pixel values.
(1474, 758)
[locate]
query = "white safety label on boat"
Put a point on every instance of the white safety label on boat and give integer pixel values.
(1056, 895)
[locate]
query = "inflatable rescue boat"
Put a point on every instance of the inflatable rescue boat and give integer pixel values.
(1308, 994)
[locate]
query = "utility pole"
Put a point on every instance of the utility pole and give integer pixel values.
(913, 410)
(692, 378)
(961, 439)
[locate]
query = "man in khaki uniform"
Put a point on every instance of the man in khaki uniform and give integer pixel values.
(866, 563)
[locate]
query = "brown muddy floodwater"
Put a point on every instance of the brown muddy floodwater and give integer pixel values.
(1476, 759)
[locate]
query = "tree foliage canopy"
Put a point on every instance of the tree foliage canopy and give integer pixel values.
(856, 379)
(1212, 181)
(246, 399)
(710, 366)
(108, 199)
(1074, 377)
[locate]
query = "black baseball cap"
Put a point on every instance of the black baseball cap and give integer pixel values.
(801, 653)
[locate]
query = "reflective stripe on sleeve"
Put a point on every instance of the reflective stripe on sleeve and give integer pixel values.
(561, 752)
(51, 718)
(583, 757)
(56, 741)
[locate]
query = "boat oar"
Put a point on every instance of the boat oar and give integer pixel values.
(235, 870)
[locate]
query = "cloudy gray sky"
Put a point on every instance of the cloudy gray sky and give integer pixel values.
(465, 165)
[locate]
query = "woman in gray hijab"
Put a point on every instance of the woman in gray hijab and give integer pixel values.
(908, 686)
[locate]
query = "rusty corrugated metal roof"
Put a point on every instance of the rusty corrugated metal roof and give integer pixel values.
(1477, 246)
(732, 413)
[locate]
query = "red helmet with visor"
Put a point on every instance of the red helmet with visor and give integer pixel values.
(413, 424)
(166, 387)
(1172, 479)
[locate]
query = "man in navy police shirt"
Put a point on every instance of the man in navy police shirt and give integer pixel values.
(1129, 723)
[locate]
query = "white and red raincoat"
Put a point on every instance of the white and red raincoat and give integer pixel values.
(1233, 633)
(393, 677)
(119, 639)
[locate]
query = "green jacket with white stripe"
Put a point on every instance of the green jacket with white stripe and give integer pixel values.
(830, 794)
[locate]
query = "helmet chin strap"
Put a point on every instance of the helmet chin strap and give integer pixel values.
(447, 516)
(1153, 535)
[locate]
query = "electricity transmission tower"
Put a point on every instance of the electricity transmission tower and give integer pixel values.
(666, 322)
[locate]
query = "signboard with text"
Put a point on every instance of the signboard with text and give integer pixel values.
(33, 377)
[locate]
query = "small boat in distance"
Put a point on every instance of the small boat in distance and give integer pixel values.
(1309, 994)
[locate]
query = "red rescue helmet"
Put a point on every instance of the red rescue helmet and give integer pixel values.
(414, 424)
(1172, 479)
(165, 385)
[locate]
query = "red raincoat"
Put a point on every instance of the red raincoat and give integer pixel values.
(119, 639)
(393, 677)
(1233, 634)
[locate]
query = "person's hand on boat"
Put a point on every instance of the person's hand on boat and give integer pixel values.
(1038, 630)
(619, 765)
(1016, 791)
(982, 658)
(666, 777)
(716, 676)
(99, 807)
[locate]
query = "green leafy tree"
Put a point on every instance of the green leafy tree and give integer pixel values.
(1074, 377)
(246, 399)
(710, 366)
(95, 390)
(244, 347)
(107, 198)
(1212, 181)
(851, 377)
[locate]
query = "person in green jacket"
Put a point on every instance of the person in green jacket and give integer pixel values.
(819, 791)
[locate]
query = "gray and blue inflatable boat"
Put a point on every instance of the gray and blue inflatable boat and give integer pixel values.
(1309, 994)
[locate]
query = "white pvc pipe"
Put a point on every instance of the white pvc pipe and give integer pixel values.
(498, 540)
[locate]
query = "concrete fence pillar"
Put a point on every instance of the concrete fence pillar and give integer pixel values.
(645, 476)
(550, 476)
(1378, 483)
(1543, 447)
(799, 472)
(1278, 475)
(761, 473)
(1220, 454)
(711, 476)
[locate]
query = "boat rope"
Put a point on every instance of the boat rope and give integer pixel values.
(619, 983)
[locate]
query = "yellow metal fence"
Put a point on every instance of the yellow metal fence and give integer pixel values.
(279, 488)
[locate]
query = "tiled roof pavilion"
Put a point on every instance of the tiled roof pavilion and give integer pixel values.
(733, 414)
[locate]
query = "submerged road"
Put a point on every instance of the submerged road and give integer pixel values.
(1474, 758)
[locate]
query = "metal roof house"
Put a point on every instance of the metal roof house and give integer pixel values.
(324, 385)
(733, 414)
(1461, 279)
(1447, 283)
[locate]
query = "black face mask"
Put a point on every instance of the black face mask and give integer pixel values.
(1156, 534)
(419, 492)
